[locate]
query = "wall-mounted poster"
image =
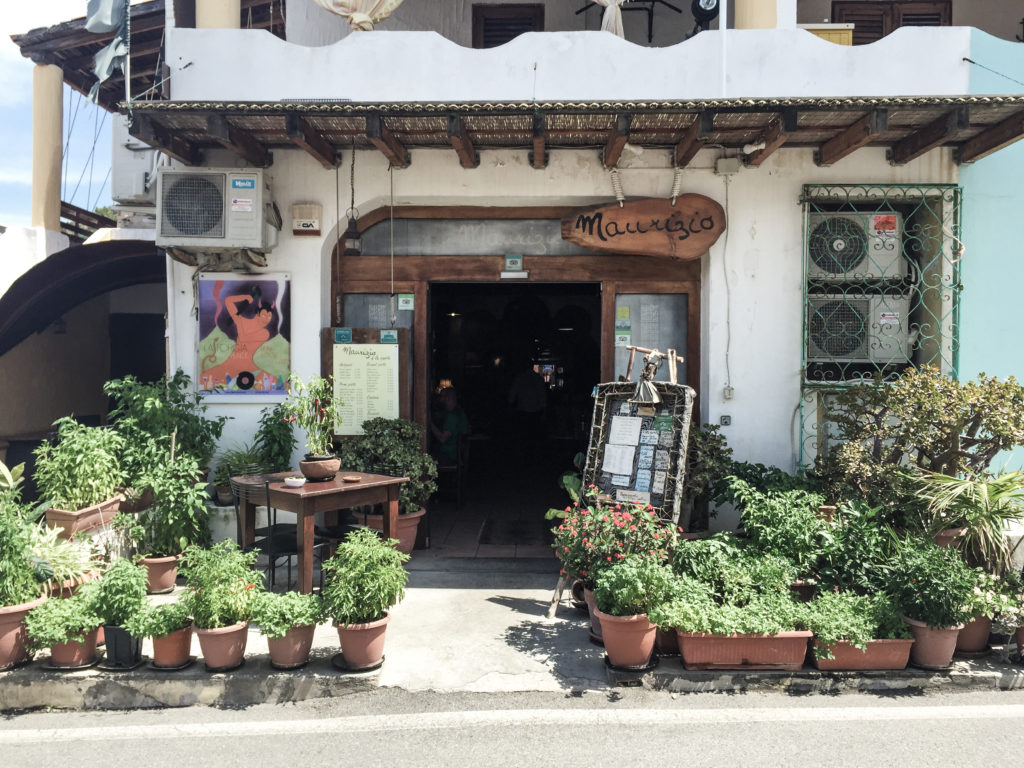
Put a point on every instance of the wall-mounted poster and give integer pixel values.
(244, 334)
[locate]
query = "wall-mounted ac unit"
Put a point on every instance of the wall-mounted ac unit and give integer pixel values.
(858, 329)
(215, 209)
(855, 246)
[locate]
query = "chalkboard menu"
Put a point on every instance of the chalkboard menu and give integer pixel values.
(637, 451)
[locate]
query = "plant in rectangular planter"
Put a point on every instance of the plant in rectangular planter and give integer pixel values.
(288, 621)
(79, 476)
(858, 632)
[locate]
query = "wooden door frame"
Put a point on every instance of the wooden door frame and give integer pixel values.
(413, 274)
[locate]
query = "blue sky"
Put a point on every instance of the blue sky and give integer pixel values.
(85, 180)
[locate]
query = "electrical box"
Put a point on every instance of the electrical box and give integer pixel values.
(132, 166)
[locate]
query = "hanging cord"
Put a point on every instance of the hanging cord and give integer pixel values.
(391, 179)
(128, 54)
(337, 245)
(613, 176)
(677, 183)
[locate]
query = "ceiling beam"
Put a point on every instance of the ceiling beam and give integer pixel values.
(773, 136)
(145, 130)
(384, 140)
(238, 141)
(936, 133)
(461, 143)
(991, 139)
(689, 145)
(617, 138)
(539, 152)
(853, 138)
(303, 135)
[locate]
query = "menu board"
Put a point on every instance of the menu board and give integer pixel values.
(365, 384)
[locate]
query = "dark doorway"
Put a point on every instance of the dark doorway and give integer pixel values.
(483, 338)
(137, 346)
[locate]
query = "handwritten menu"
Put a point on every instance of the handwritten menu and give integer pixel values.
(365, 384)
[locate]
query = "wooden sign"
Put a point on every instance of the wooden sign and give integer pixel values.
(651, 227)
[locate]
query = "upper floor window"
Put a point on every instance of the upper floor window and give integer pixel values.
(495, 25)
(874, 19)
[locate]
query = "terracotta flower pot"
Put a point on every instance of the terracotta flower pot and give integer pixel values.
(223, 647)
(163, 571)
(1018, 636)
(317, 469)
(595, 622)
(803, 591)
(85, 519)
(173, 650)
(75, 654)
(879, 654)
(292, 650)
(13, 637)
(628, 640)
(933, 646)
(69, 587)
(949, 536)
(362, 645)
(784, 651)
(408, 524)
(973, 638)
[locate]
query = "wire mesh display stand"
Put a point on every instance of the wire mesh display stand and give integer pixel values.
(665, 407)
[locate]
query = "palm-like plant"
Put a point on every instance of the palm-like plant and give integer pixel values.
(985, 505)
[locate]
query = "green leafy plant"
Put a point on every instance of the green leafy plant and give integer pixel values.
(11, 479)
(179, 516)
(121, 592)
(857, 555)
(992, 595)
(159, 620)
(394, 447)
(18, 583)
(82, 468)
(62, 621)
(857, 619)
(633, 585)
(596, 535)
(277, 613)
(933, 584)
(221, 584)
(365, 577)
(310, 406)
(570, 481)
(238, 460)
(61, 560)
(275, 439)
(731, 571)
(765, 614)
(708, 461)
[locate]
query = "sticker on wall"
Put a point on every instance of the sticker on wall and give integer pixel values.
(884, 225)
(889, 318)
(388, 336)
(623, 339)
(622, 313)
(342, 335)
(406, 302)
(513, 262)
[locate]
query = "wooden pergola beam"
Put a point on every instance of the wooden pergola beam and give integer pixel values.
(145, 130)
(617, 138)
(539, 152)
(996, 137)
(689, 145)
(853, 138)
(461, 143)
(300, 132)
(238, 141)
(384, 140)
(773, 136)
(930, 136)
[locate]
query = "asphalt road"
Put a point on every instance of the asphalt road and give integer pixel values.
(394, 728)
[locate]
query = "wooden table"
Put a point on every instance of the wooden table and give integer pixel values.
(306, 501)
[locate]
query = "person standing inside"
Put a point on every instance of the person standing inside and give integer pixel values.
(454, 424)
(528, 397)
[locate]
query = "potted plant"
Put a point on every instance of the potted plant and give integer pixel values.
(858, 632)
(221, 586)
(991, 596)
(395, 447)
(20, 591)
(120, 596)
(625, 592)
(239, 460)
(934, 588)
(311, 406)
(64, 564)
(177, 519)
(288, 621)
(79, 476)
(67, 627)
(170, 626)
(275, 439)
(365, 578)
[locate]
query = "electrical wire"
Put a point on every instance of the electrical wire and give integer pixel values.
(728, 293)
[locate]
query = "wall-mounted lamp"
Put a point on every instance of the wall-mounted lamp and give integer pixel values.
(749, 149)
(353, 240)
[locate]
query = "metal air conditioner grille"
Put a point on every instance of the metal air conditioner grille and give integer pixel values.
(839, 328)
(838, 245)
(193, 206)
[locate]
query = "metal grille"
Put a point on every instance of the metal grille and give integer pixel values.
(192, 205)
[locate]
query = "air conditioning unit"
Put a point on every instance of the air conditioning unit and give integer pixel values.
(858, 329)
(855, 246)
(215, 209)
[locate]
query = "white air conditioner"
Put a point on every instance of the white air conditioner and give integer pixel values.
(855, 246)
(858, 329)
(215, 209)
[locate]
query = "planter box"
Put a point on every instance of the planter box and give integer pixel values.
(79, 520)
(784, 651)
(879, 654)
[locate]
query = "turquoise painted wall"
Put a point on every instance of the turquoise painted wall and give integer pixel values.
(992, 315)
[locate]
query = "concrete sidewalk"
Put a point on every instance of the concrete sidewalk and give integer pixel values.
(466, 625)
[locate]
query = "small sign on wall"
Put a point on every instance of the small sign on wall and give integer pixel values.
(306, 219)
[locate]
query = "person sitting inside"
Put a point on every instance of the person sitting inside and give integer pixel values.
(454, 423)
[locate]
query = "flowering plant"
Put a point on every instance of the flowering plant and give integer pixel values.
(221, 584)
(310, 405)
(596, 534)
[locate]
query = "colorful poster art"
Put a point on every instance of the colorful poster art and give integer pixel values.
(244, 334)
